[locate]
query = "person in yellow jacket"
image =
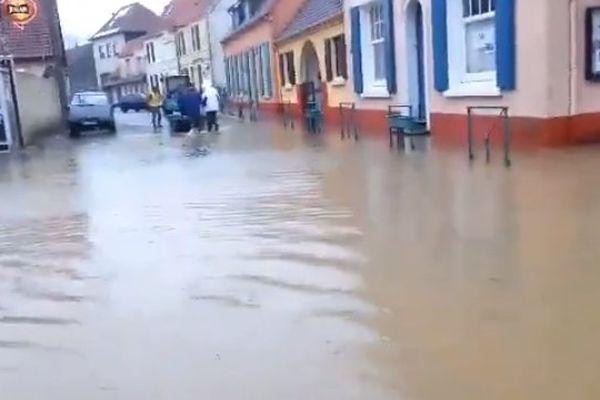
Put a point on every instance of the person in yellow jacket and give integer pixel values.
(155, 102)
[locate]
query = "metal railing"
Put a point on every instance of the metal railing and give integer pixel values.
(503, 116)
(349, 128)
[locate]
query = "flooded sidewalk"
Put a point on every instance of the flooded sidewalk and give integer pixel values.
(290, 266)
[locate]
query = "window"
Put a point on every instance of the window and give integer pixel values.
(335, 58)
(266, 64)
(114, 48)
(291, 68)
(195, 38)
(480, 35)
(150, 55)
(108, 47)
(181, 50)
(472, 63)
(238, 13)
(96, 99)
(241, 14)
(101, 52)
(259, 71)
(377, 21)
(287, 69)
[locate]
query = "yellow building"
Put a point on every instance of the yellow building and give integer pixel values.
(312, 55)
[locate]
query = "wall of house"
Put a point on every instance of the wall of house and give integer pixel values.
(536, 90)
(39, 105)
(336, 93)
(378, 104)
(110, 64)
(260, 33)
(133, 65)
(165, 54)
(586, 94)
(219, 22)
(194, 58)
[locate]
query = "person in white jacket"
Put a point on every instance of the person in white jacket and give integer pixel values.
(210, 98)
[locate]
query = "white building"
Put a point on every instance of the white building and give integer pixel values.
(219, 25)
(161, 58)
(128, 23)
(199, 27)
(130, 76)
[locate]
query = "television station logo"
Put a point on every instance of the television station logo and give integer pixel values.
(19, 12)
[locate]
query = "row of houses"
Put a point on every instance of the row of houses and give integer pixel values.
(137, 49)
(538, 58)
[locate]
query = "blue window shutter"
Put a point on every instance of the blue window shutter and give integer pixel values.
(267, 68)
(227, 81)
(440, 44)
(356, 50)
(506, 45)
(390, 46)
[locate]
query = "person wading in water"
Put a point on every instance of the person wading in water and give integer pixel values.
(155, 102)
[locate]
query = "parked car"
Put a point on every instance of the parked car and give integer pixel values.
(135, 102)
(90, 110)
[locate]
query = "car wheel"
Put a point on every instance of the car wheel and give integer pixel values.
(74, 131)
(125, 110)
(112, 128)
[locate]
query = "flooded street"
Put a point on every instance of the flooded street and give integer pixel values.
(285, 266)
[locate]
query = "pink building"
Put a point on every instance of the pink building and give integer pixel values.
(539, 58)
(527, 55)
(250, 57)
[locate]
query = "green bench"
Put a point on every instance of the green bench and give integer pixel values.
(402, 124)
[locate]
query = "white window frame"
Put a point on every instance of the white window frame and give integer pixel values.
(196, 37)
(181, 45)
(338, 79)
(377, 37)
(462, 83)
(287, 84)
(372, 88)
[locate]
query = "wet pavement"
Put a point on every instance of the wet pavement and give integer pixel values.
(286, 266)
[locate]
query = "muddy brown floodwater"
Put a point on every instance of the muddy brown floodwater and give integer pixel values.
(282, 266)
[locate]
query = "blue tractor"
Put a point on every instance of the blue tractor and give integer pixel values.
(174, 87)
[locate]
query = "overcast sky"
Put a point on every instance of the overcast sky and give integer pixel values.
(82, 18)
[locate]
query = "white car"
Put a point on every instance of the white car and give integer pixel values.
(90, 110)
